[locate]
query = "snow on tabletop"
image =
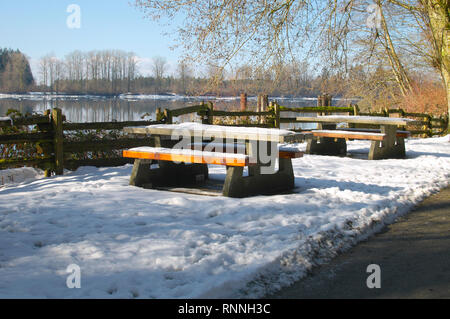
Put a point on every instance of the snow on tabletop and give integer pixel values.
(131, 242)
(228, 129)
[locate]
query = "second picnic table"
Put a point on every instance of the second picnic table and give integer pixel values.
(183, 152)
(387, 142)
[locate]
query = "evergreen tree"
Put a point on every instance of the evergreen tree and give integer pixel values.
(15, 71)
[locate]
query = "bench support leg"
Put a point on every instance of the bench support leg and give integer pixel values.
(326, 146)
(166, 174)
(391, 147)
(140, 174)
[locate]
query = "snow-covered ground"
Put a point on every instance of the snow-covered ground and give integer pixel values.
(131, 242)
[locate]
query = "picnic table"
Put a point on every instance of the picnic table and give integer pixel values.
(183, 151)
(387, 141)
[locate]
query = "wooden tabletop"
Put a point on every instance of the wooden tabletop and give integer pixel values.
(216, 131)
(377, 120)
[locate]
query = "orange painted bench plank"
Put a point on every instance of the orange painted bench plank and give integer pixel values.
(404, 134)
(194, 158)
(351, 135)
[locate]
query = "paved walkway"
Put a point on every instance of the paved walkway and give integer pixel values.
(413, 253)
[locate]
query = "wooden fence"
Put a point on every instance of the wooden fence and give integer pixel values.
(54, 147)
(424, 125)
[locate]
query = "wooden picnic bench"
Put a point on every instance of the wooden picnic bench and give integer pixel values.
(235, 148)
(387, 142)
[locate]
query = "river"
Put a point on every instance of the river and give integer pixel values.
(89, 108)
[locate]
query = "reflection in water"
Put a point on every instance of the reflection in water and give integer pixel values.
(92, 109)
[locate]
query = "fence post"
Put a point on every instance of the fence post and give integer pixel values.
(276, 110)
(324, 100)
(159, 115)
(328, 100)
(243, 102)
(446, 124)
(264, 106)
(168, 116)
(210, 113)
(259, 101)
(47, 172)
(58, 139)
(429, 126)
(208, 109)
(355, 109)
(263, 102)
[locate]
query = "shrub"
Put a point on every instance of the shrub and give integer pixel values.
(426, 97)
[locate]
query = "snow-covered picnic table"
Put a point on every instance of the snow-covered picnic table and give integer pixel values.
(200, 145)
(387, 142)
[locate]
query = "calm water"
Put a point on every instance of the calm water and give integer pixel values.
(126, 108)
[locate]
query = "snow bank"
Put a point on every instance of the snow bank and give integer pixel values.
(131, 242)
(19, 175)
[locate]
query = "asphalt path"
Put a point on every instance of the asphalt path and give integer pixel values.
(413, 255)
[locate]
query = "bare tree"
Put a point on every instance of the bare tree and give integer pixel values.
(131, 69)
(184, 73)
(159, 68)
(43, 70)
(268, 32)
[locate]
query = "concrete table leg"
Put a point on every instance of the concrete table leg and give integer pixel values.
(391, 147)
(259, 183)
(237, 185)
(141, 172)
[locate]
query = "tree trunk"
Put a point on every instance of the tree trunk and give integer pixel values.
(446, 79)
(399, 71)
(439, 18)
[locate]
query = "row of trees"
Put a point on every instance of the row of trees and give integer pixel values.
(15, 72)
(100, 72)
(114, 72)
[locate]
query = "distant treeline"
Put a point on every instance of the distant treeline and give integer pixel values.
(15, 72)
(113, 72)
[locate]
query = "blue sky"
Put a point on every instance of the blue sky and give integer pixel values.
(38, 27)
